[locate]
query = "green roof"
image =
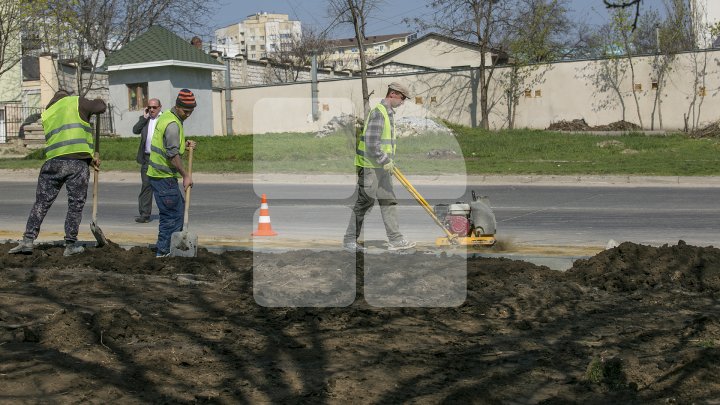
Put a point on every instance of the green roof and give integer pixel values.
(159, 47)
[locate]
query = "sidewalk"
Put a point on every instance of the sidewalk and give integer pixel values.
(30, 175)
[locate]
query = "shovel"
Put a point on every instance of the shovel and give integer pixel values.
(96, 231)
(184, 243)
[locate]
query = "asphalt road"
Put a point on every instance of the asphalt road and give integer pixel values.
(308, 215)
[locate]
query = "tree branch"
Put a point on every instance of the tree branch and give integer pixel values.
(625, 4)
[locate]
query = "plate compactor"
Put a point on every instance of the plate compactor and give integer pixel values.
(464, 224)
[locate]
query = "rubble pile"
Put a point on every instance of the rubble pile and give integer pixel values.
(413, 126)
(345, 123)
(405, 126)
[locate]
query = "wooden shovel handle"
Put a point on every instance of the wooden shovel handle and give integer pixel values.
(96, 170)
(186, 219)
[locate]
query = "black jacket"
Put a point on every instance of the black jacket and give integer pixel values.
(141, 127)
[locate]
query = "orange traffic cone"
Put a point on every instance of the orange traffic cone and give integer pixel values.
(264, 227)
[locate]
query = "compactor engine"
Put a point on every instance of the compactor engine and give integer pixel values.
(473, 222)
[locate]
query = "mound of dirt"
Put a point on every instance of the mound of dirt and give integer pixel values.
(709, 131)
(574, 125)
(581, 125)
(634, 325)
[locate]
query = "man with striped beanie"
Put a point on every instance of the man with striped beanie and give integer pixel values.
(165, 167)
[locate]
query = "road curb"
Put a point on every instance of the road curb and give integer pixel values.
(30, 175)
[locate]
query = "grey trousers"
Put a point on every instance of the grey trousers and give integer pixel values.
(374, 184)
(75, 175)
(145, 198)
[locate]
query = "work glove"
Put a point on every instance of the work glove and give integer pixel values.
(389, 166)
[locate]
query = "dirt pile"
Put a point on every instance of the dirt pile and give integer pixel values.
(580, 125)
(709, 131)
(633, 325)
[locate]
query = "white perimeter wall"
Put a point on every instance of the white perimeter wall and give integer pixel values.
(561, 91)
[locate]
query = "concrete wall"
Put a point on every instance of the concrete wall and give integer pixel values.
(561, 91)
(288, 108)
(164, 84)
(255, 73)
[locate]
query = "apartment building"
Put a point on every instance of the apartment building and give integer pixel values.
(257, 36)
(344, 54)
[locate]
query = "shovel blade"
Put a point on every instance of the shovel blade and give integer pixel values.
(99, 235)
(183, 244)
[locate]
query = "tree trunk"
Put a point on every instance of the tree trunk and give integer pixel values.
(363, 69)
(632, 81)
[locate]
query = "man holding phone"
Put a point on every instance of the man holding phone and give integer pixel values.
(145, 128)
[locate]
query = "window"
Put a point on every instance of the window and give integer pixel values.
(137, 96)
(702, 92)
(638, 87)
(433, 99)
(418, 100)
(654, 85)
(528, 93)
(538, 93)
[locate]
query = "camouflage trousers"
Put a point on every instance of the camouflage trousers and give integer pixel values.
(55, 173)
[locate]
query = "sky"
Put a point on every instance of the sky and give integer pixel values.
(387, 20)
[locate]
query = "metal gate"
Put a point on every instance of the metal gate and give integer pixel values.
(14, 117)
(3, 136)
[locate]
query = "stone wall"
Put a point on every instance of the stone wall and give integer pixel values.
(245, 73)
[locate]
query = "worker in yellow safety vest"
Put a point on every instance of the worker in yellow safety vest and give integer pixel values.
(69, 148)
(165, 167)
(374, 163)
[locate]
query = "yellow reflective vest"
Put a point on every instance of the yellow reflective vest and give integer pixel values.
(160, 166)
(65, 132)
(387, 140)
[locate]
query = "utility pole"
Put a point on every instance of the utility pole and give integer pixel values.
(228, 99)
(314, 87)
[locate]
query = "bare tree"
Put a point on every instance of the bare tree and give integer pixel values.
(673, 35)
(540, 30)
(483, 22)
(698, 65)
(12, 22)
(85, 31)
(356, 12)
(295, 55)
(625, 38)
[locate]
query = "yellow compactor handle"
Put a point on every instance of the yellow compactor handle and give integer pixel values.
(404, 181)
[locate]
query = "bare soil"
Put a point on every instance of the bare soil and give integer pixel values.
(632, 325)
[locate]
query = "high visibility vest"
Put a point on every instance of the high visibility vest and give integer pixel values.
(160, 166)
(65, 132)
(387, 140)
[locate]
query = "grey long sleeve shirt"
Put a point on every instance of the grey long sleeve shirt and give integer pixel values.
(171, 140)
